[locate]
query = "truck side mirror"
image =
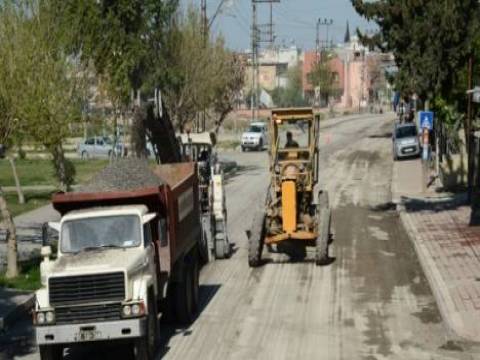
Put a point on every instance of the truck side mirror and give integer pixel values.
(44, 234)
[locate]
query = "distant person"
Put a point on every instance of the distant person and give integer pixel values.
(401, 111)
(290, 142)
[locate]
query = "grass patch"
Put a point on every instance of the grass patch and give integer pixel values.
(33, 200)
(228, 144)
(29, 278)
(40, 172)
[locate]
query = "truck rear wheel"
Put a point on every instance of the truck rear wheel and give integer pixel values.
(256, 239)
(203, 248)
(324, 219)
(184, 295)
(51, 352)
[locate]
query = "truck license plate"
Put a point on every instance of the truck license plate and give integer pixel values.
(87, 335)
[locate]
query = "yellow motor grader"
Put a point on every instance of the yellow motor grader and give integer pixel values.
(295, 214)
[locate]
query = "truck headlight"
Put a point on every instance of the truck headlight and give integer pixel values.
(45, 317)
(50, 317)
(40, 318)
(127, 310)
(135, 309)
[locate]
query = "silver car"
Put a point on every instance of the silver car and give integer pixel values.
(99, 147)
(405, 141)
(255, 137)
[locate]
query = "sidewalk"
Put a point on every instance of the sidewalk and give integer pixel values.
(29, 230)
(447, 247)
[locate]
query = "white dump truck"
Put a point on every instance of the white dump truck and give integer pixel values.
(123, 258)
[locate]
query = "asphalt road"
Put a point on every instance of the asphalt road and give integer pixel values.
(373, 302)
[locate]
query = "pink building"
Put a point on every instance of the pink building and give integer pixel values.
(350, 69)
(336, 66)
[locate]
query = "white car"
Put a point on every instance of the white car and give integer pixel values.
(255, 137)
(99, 147)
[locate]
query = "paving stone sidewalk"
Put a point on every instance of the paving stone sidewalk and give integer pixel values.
(449, 251)
(448, 248)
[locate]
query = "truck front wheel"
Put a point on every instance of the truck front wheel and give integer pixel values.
(51, 352)
(145, 347)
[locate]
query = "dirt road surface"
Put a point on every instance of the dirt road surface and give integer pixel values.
(373, 302)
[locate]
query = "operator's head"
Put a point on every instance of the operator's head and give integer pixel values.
(289, 136)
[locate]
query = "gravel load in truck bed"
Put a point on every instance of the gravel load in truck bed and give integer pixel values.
(122, 175)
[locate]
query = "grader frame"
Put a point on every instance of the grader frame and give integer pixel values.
(294, 212)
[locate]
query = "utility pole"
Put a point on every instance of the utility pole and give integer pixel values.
(469, 132)
(327, 23)
(253, 100)
(259, 37)
(201, 123)
(317, 49)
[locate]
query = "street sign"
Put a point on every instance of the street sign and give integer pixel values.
(426, 120)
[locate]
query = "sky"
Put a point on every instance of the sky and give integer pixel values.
(294, 20)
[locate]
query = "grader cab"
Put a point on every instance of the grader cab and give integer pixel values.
(295, 215)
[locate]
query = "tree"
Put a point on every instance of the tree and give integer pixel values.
(211, 81)
(323, 77)
(292, 95)
(40, 79)
(430, 40)
(6, 128)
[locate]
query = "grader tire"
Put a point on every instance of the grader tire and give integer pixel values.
(324, 219)
(255, 240)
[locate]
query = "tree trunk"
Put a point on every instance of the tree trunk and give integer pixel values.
(138, 133)
(12, 254)
(60, 167)
(21, 198)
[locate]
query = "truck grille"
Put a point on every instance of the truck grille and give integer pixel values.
(69, 290)
(88, 313)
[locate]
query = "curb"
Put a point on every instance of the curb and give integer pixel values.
(8, 319)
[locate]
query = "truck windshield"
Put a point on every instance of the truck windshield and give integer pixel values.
(99, 232)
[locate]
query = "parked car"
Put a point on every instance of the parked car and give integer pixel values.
(405, 141)
(100, 146)
(255, 137)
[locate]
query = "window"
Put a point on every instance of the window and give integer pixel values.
(255, 129)
(97, 232)
(90, 141)
(147, 235)
(162, 232)
(99, 142)
(406, 131)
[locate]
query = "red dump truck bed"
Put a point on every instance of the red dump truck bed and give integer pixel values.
(176, 201)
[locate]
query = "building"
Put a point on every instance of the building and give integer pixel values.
(335, 65)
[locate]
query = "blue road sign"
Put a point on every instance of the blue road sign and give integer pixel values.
(426, 119)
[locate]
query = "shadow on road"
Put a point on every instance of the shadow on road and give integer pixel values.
(243, 169)
(123, 351)
(386, 135)
(18, 341)
(168, 330)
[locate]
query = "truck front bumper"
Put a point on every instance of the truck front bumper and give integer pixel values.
(100, 331)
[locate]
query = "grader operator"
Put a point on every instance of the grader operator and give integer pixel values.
(296, 215)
